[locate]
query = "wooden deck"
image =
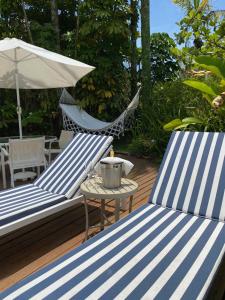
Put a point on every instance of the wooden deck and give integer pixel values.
(29, 249)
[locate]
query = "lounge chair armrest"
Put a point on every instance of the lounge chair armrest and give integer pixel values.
(47, 151)
(53, 143)
(4, 151)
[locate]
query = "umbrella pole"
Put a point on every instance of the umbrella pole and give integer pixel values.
(19, 110)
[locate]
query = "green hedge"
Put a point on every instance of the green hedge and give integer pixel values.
(166, 101)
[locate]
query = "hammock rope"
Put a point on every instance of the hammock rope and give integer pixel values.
(78, 120)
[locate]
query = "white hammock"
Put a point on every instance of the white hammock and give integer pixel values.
(78, 120)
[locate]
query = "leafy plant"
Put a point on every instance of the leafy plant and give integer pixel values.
(164, 64)
(202, 29)
(182, 124)
(170, 100)
(33, 118)
(213, 92)
(103, 42)
(141, 146)
(95, 32)
(7, 115)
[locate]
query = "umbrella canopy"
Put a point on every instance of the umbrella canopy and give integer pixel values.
(25, 66)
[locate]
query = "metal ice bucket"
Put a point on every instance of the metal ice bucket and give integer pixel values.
(111, 174)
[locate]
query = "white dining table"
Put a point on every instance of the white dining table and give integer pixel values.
(4, 141)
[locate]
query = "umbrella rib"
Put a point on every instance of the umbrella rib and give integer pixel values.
(64, 72)
(6, 57)
(26, 56)
(59, 73)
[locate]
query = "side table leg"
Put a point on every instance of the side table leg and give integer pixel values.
(131, 203)
(86, 219)
(102, 222)
(117, 210)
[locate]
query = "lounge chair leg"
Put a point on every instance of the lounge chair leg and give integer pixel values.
(86, 219)
(117, 210)
(3, 177)
(12, 180)
(3, 171)
(102, 222)
(131, 203)
(49, 158)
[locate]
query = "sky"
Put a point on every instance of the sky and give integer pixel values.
(164, 15)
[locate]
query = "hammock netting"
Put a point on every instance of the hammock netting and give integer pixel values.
(78, 120)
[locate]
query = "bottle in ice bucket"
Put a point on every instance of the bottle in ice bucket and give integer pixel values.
(111, 153)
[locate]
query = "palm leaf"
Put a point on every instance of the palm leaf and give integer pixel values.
(201, 86)
(172, 125)
(192, 120)
(202, 5)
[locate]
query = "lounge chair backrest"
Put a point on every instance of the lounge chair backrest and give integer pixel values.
(192, 175)
(71, 167)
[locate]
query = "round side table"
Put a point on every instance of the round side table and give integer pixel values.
(93, 188)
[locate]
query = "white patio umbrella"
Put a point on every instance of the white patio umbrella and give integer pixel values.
(25, 66)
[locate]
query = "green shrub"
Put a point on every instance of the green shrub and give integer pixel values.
(141, 146)
(213, 92)
(166, 101)
(164, 64)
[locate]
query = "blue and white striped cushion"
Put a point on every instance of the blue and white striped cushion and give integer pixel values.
(22, 201)
(154, 253)
(70, 168)
(192, 176)
(64, 176)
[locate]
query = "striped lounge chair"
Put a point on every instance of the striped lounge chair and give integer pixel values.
(57, 188)
(170, 248)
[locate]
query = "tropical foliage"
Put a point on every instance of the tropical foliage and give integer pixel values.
(164, 64)
(95, 32)
(170, 100)
(202, 30)
(104, 42)
(196, 101)
(148, 134)
(183, 86)
(213, 92)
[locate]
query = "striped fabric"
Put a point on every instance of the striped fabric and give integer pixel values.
(154, 253)
(192, 175)
(160, 251)
(21, 201)
(70, 168)
(59, 182)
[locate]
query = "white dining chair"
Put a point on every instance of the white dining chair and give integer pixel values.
(65, 138)
(2, 167)
(23, 154)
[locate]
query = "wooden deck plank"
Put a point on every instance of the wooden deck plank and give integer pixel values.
(32, 247)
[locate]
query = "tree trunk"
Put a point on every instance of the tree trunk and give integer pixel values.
(145, 41)
(133, 31)
(27, 23)
(55, 22)
(77, 25)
